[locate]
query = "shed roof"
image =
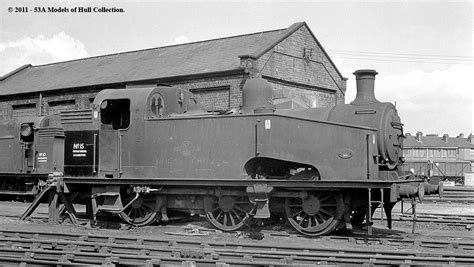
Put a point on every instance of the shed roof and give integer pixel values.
(202, 57)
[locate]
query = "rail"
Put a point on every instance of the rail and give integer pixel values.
(92, 249)
(454, 194)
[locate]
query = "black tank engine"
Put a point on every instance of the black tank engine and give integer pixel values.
(146, 153)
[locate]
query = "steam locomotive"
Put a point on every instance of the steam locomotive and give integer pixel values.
(146, 153)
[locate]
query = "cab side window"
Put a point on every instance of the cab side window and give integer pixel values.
(157, 106)
(115, 113)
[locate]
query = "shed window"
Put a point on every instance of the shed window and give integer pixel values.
(62, 103)
(157, 105)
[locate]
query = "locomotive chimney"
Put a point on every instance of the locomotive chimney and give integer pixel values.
(365, 87)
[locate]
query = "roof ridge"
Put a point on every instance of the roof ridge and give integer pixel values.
(287, 32)
(154, 48)
(437, 141)
(15, 71)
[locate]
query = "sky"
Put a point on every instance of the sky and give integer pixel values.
(422, 50)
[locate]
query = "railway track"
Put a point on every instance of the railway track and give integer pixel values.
(466, 221)
(69, 249)
(455, 220)
(435, 242)
(454, 194)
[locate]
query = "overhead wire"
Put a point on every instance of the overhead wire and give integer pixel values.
(403, 57)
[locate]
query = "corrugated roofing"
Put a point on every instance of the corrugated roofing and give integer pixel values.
(178, 60)
(436, 141)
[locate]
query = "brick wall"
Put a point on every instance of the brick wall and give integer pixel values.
(299, 60)
(29, 106)
(310, 98)
(16, 107)
(23, 110)
(218, 93)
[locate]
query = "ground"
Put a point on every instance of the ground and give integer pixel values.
(199, 229)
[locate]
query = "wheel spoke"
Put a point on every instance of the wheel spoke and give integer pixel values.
(240, 209)
(302, 219)
(321, 210)
(225, 218)
(329, 205)
(297, 213)
(325, 198)
(237, 215)
(232, 221)
(134, 213)
(219, 215)
(294, 205)
(321, 218)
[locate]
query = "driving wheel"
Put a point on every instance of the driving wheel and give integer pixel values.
(141, 212)
(315, 214)
(228, 213)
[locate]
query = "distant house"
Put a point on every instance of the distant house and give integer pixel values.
(446, 156)
(291, 59)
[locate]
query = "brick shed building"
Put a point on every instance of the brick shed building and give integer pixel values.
(291, 59)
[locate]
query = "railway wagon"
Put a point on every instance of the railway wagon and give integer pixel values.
(148, 153)
(443, 169)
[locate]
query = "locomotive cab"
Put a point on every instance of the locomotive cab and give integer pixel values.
(119, 122)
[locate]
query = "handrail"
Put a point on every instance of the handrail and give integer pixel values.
(367, 139)
(120, 135)
(94, 154)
